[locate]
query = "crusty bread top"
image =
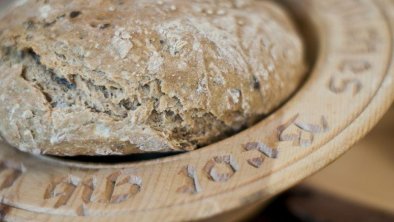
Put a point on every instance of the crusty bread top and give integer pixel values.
(103, 77)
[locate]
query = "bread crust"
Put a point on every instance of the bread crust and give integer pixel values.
(108, 77)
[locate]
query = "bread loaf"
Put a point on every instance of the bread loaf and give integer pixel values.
(107, 77)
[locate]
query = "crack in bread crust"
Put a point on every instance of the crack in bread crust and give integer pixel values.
(80, 79)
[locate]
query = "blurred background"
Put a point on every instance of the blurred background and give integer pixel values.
(359, 186)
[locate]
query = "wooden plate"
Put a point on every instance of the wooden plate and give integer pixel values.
(349, 89)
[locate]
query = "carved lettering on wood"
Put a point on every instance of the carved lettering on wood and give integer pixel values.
(282, 128)
(354, 66)
(62, 188)
(88, 188)
(82, 211)
(341, 85)
(224, 173)
(256, 162)
(299, 138)
(264, 150)
(361, 40)
(10, 173)
(117, 188)
(359, 35)
(195, 186)
(125, 187)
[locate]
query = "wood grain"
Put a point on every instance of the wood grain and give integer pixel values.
(365, 173)
(349, 89)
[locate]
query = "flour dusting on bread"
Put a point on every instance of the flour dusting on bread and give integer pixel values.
(116, 77)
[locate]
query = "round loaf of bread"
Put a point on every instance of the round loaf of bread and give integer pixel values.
(108, 77)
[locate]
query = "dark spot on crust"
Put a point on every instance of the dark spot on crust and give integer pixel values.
(23, 74)
(4, 210)
(255, 83)
(48, 24)
(65, 82)
(169, 113)
(48, 97)
(130, 105)
(104, 91)
(75, 14)
(29, 24)
(34, 55)
(104, 26)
